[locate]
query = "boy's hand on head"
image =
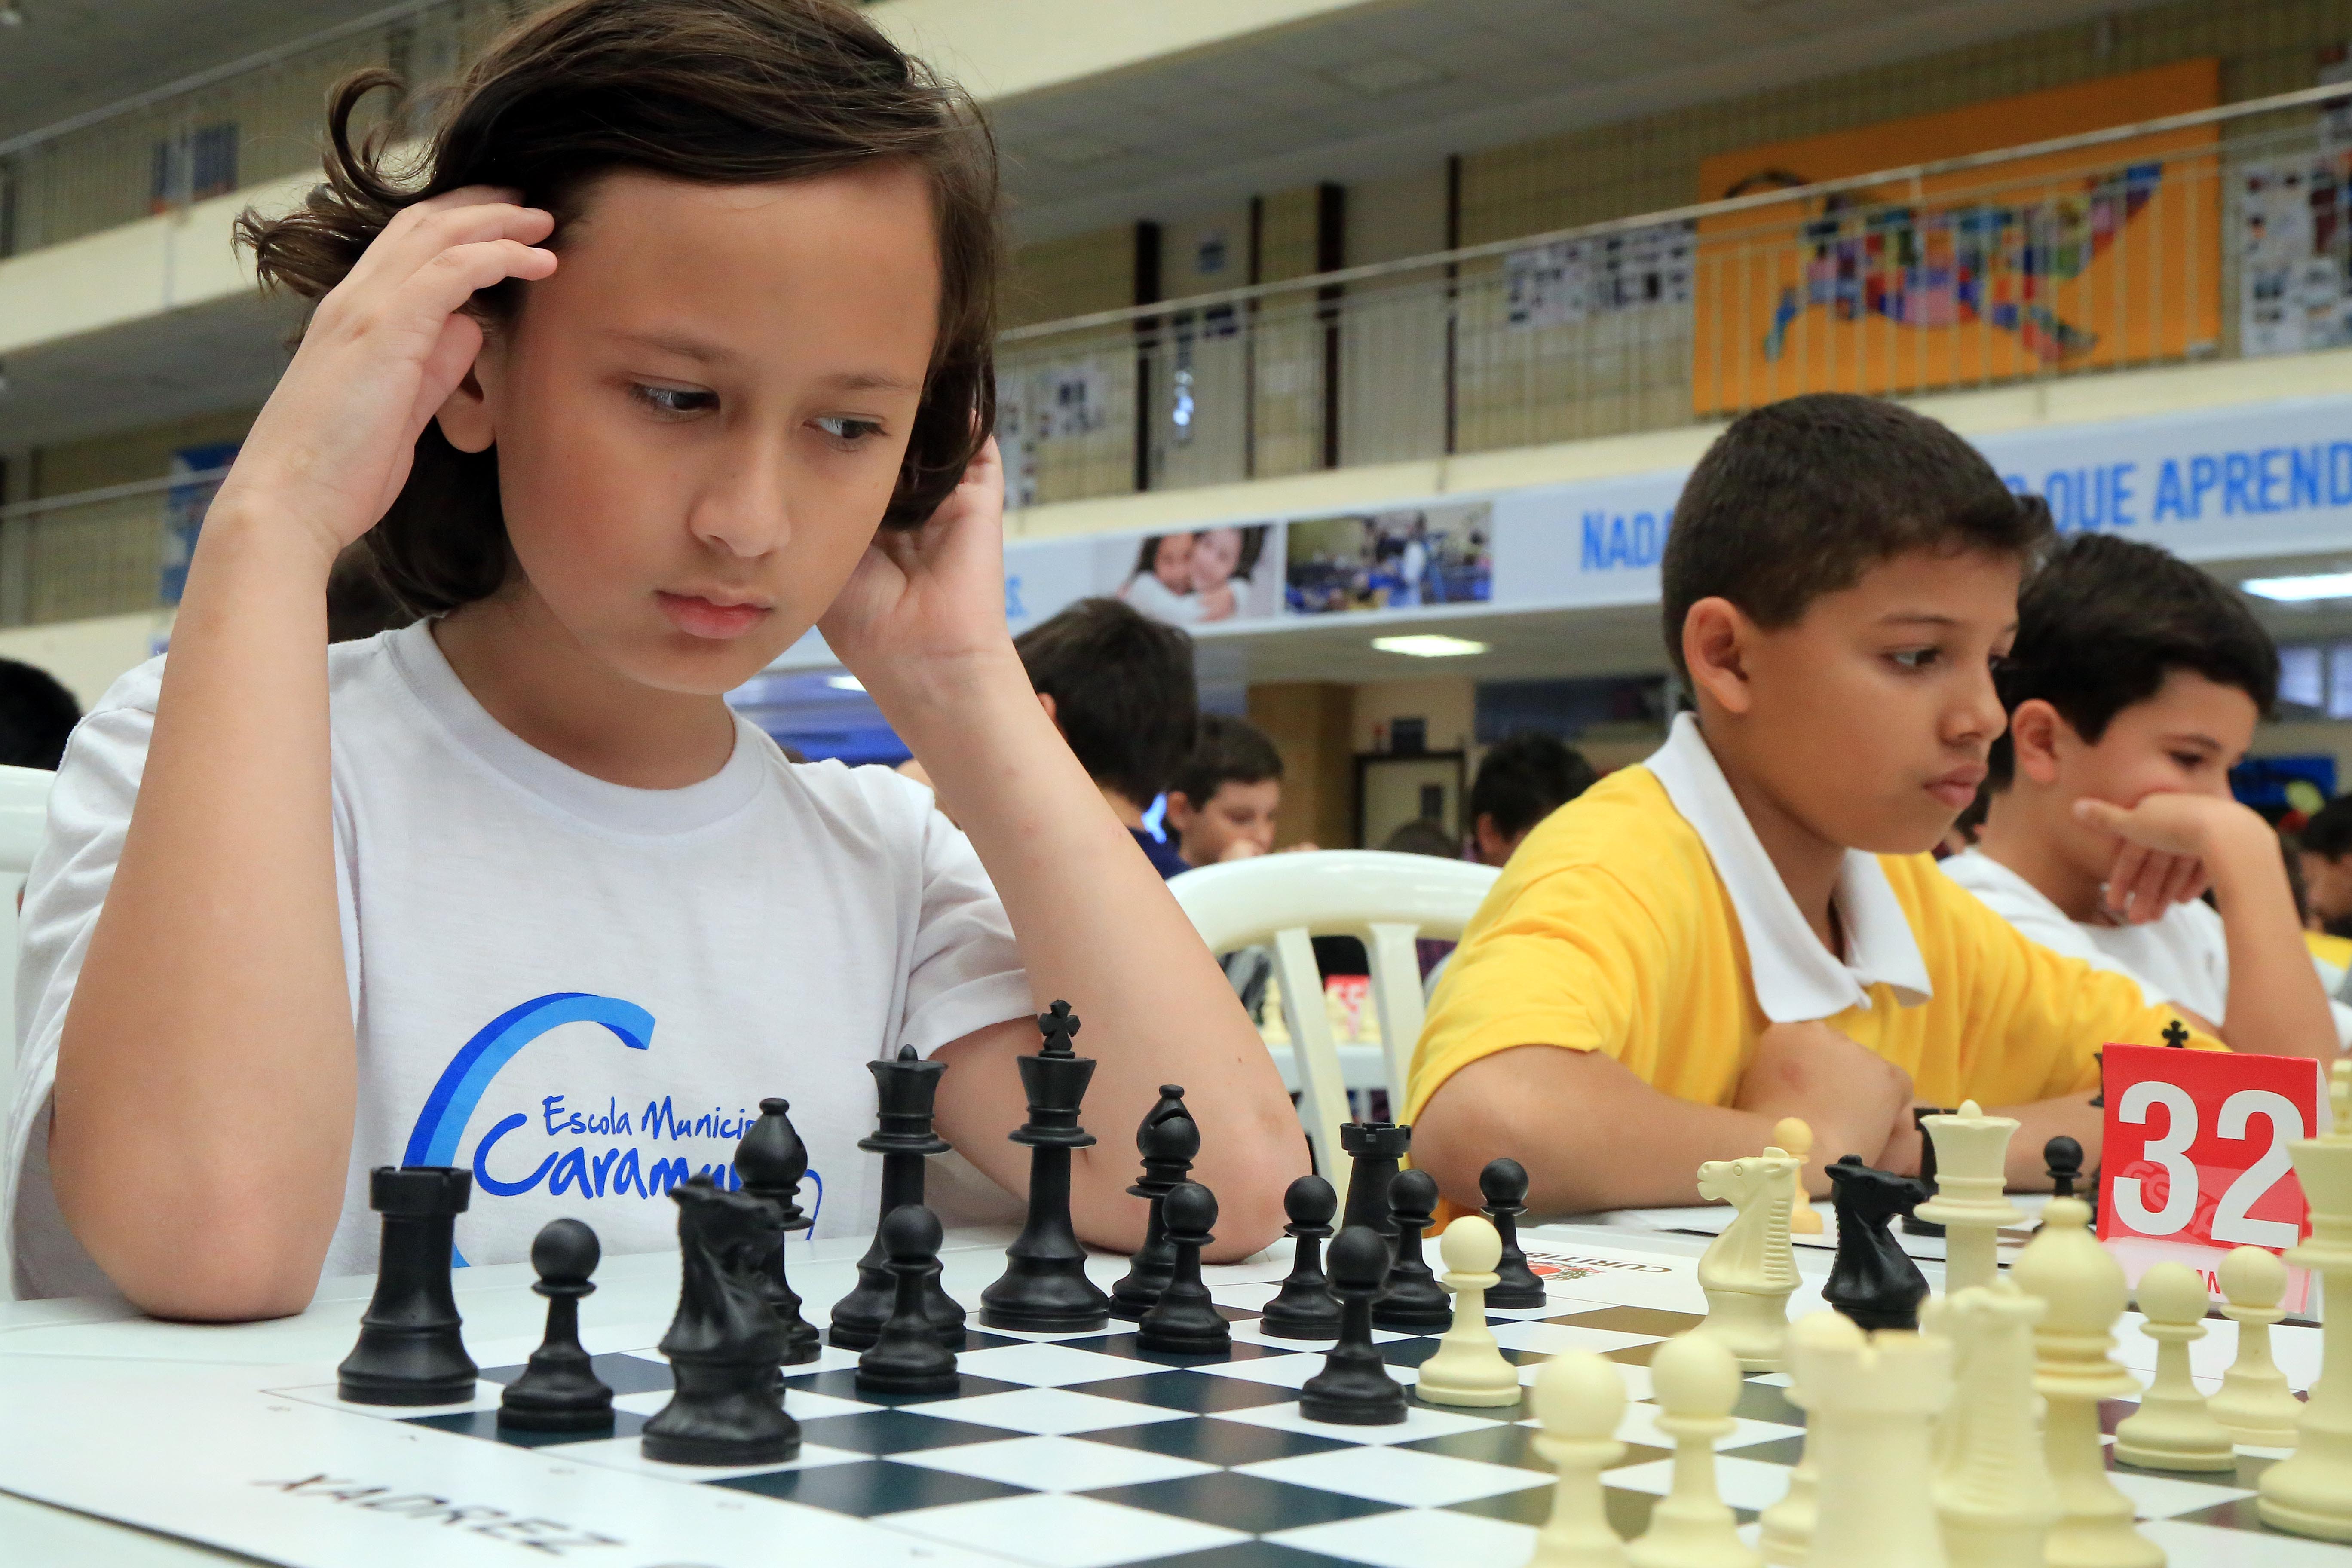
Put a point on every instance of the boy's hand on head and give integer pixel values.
(2166, 845)
(923, 598)
(1854, 1100)
(383, 352)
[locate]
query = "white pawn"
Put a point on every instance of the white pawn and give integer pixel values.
(1792, 1133)
(2082, 1286)
(2254, 1405)
(1469, 1368)
(2173, 1430)
(1579, 1400)
(1696, 1381)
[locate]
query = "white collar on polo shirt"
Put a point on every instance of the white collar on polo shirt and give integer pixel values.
(1797, 978)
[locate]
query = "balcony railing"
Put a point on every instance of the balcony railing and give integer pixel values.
(2219, 233)
(244, 123)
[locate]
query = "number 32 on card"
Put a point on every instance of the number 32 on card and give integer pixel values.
(2195, 1156)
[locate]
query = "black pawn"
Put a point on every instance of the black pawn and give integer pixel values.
(903, 1135)
(1373, 1148)
(2064, 1156)
(1874, 1281)
(1167, 1141)
(1504, 1184)
(771, 1160)
(1912, 1223)
(1354, 1388)
(1304, 1309)
(1045, 1288)
(1414, 1299)
(907, 1357)
(559, 1391)
(1184, 1321)
(411, 1351)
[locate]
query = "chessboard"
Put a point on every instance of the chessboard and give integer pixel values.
(1071, 1450)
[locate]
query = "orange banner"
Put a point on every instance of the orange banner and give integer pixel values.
(2081, 260)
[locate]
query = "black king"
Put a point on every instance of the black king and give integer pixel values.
(1045, 1287)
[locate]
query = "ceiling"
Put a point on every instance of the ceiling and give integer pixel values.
(71, 55)
(1380, 89)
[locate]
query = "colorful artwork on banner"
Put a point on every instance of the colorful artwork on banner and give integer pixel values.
(1196, 578)
(2101, 256)
(1406, 559)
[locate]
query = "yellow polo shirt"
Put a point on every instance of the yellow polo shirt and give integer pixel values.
(1611, 930)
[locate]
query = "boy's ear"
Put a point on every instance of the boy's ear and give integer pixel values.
(2033, 736)
(465, 414)
(1180, 810)
(1053, 712)
(1714, 638)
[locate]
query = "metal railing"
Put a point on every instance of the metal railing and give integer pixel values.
(2223, 233)
(220, 130)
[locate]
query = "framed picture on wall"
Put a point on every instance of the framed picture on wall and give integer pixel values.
(1393, 789)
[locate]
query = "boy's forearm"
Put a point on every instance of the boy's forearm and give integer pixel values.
(205, 1079)
(1096, 927)
(2276, 1004)
(1591, 1135)
(2072, 1116)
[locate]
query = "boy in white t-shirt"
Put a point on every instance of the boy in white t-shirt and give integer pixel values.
(512, 889)
(2136, 680)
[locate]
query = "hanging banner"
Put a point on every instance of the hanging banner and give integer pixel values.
(2209, 484)
(2103, 257)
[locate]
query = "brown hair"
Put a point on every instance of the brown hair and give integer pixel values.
(711, 91)
(1797, 499)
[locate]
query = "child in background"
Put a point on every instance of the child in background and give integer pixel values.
(1225, 798)
(1216, 556)
(1522, 779)
(36, 715)
(2136, 681)
(2325, 844)
(1119, 686)
(1748, 926)
(1162, 584)
(512, 889)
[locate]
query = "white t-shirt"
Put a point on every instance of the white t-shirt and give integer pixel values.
(2183, 957)
(1149, 597)
(579, 991)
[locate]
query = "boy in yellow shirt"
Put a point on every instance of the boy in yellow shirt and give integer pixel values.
(1748, 926)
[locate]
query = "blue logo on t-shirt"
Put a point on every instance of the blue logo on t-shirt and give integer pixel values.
(618, 1169)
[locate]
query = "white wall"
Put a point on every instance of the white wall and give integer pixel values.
(88, 656)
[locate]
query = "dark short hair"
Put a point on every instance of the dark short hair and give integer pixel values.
(37, 716)
(718, 92)
(1122, 689)
(1422, 837)
(1525, 777)
(1798, 499)
(2328, 832)
(2102, 621)
(1225, 750)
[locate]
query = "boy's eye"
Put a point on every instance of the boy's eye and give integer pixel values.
(2188, 761)
(672, 400)
(1913, 657)
(849, 431)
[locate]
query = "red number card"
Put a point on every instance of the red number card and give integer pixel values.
(2195, 1156)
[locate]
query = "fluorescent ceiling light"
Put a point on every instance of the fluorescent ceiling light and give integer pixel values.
(2300, 590)
(1429, 644)
(846, 683)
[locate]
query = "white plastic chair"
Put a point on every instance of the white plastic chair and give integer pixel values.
(23, 816)
(1386, 899)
